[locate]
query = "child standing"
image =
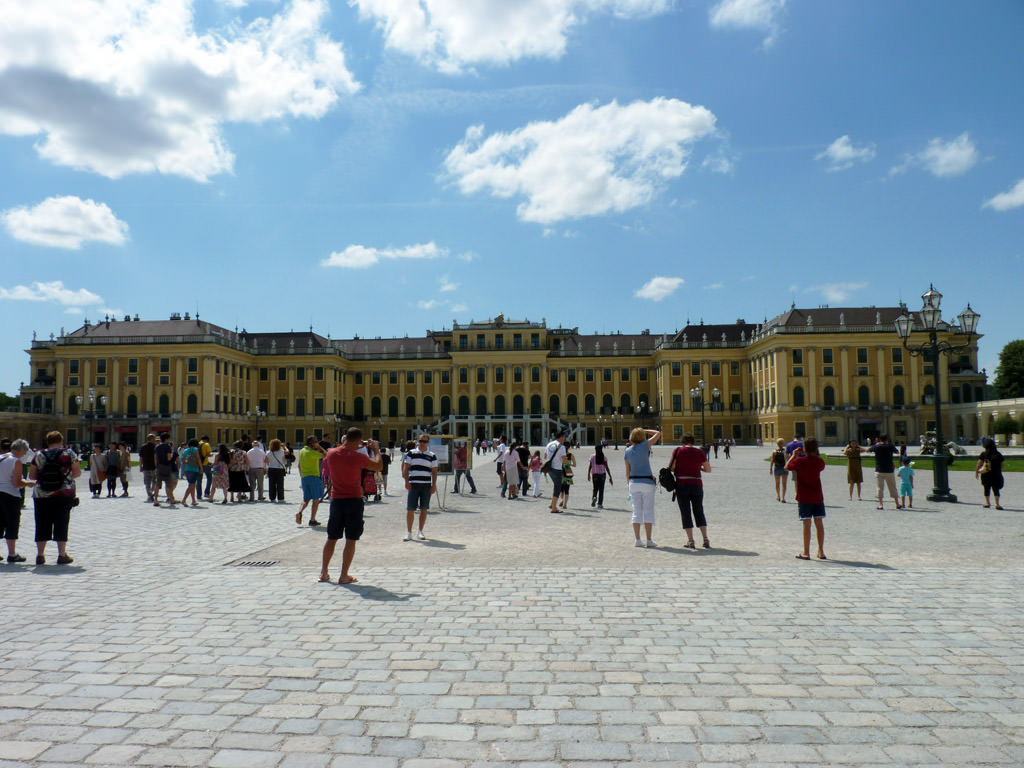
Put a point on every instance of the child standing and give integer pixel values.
(906, 474)
(806, 464)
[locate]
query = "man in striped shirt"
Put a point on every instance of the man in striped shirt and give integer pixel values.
(419, 469)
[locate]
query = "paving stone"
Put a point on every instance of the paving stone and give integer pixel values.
(902, 654)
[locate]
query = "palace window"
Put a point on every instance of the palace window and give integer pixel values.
(716, 368)
(677, 369)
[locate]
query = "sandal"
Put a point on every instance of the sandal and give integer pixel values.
(298, 519)
(803, 557)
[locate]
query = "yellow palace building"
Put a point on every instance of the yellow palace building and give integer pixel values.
(835, 373)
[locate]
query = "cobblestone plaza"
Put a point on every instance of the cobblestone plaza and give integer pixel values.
(515, 637)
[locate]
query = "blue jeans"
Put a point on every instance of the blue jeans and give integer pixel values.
(469, 479)
(208, 472)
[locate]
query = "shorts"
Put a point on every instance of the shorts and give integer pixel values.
(312, 488)
(53, 516)
(780, 472)
(149, 477)
(809, 511)
(556, 479)
(346, 519)
(419, 496)
(10, 515)
(193, 475)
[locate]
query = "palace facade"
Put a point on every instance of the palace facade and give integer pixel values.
(835, 373)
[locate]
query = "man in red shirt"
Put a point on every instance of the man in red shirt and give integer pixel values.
(806, 464)
(687, 463)
(345, 464)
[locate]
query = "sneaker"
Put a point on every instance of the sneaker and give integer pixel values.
(65, 559)
(408, 536)
(651, 544)
(15, 558)
(420, 536)
(638, 543)
(40, 559)
(313, 522)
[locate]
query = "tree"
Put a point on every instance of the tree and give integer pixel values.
(8, 402)
(1009, 381)
(1005, 426)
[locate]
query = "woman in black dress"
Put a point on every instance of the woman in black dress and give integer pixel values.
(990, 470)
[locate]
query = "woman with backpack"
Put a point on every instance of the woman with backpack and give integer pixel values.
(54, 471)
(777, 467)
(687, 464)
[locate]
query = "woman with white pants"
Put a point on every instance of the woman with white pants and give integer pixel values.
(640, 480)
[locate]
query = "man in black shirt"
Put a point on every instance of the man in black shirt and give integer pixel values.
(885, 469)
(147, 463)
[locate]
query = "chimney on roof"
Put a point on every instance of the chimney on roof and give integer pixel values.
(175, 316)
(187, 317)
(740, 321)
(136, 317)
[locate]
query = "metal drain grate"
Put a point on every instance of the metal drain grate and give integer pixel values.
(258, 563)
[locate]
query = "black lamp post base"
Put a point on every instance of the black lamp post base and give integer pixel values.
(942, 496)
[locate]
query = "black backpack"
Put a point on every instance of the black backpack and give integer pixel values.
(51, 477)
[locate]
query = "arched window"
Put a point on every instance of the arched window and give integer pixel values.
(499, 405)
(72, 406)
(798, 397)
(410, 406)
(165, 405)
(588, 405)
(428, 407)
(392, 407)
(830, 397)
(553, 405)
(625, 406)
(863, 396)
(132, 407)
(536, 405)
(518, 405)
(481, 405)
(571, 405)
(463, 406)
(607, 404)
(929, 394)
(375, 407)
(898, 396)
(357, 408)
(192, 404)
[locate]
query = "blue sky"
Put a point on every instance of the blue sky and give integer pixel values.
(381, 167)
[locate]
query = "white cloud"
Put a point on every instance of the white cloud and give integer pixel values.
(361, 257)
(453, 36)
(749, 14)
(1004, 201)
(943, 158)
(836, 291)
(842, 154)
(131, 86)
(594, 160)
(467, 256)
(719, 163)
(714, 287)
(447, 285)
(429, 304)
(65, 222)
(459, 308)
(658, 288)
(55, 292)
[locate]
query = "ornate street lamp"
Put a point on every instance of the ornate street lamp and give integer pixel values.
(931, 319)
(256, 415)
(642, 412)
(697, 397)
(90, 413)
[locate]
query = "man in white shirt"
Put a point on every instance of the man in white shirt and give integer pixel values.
(555, 454)
(257, 461)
